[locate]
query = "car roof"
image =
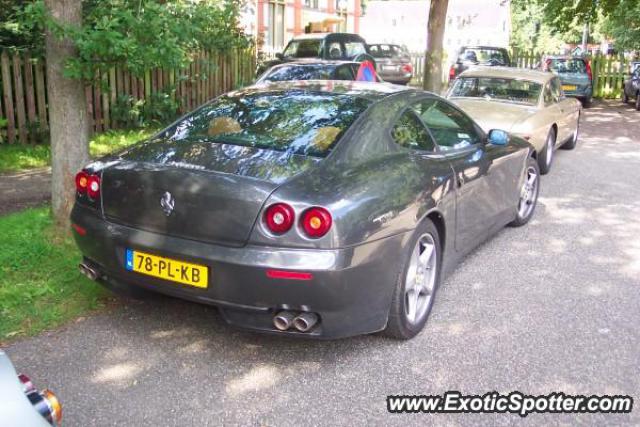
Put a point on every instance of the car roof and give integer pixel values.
(316, 61)
(315, 36)
(368, 90)
(509, 73)
(564, 57)
(483, 47)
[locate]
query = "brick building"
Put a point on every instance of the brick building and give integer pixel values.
(276, 21)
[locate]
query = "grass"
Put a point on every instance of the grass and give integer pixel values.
(18, 157)
(40, 286)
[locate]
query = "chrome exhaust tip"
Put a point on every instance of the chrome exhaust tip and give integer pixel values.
(89, 272)
(283, 320)
(305, 321)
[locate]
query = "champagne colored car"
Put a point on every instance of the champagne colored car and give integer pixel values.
(526, 103)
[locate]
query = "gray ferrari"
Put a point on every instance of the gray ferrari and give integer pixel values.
(316, 209)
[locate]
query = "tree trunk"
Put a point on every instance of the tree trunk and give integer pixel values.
(68, 121)
(433, 57)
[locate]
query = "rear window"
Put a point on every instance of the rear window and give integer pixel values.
(385, 51)
(297, 122)
(491, 88)
(303, 49)
(562, 66)
(484, 56)
(299, 72)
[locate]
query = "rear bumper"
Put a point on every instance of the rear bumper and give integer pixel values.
(350, 289)
(585, 92)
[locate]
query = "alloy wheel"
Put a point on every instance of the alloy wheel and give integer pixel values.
(421, 278)
(549, 152)
(528, 193)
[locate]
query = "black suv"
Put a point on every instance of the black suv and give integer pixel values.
(327, 46)
(479, 55)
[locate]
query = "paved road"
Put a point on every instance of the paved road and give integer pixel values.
(23, 190)
(554, 306)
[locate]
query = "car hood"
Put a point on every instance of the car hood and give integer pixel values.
(493, 114)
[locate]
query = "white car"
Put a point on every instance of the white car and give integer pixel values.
(526, 103)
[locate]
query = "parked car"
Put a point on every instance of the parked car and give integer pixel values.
(631, 90)
(527, 103)
(318, 209)
(328, 46)
(393, 62)
(21, 404)
(469, 56)
(575, 76)
(312, 69)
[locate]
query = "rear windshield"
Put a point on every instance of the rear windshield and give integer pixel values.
(298, 122)
(570, 65)
(484, 56)
(299, 72)
(385, 50)
(511, 90)
(303, 49)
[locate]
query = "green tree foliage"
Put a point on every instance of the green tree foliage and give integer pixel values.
(141, 34)
(623, 25)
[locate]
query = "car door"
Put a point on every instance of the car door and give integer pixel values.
(485, 185)
(568, 111)
(632, 83)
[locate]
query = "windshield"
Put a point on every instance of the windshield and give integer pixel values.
(299, 72)
(303, 49)
(562, 66)
(484, 56)
(500, 89)
(295, 121)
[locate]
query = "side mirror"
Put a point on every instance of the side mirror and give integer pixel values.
(498, 137)
(280, 56)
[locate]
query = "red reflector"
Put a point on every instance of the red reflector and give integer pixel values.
(291, 275)
(81, 231)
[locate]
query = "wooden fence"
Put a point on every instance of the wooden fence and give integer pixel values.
(24, 101)
(609, 72)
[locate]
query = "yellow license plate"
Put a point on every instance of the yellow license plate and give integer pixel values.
(569, 87)
(167, 268)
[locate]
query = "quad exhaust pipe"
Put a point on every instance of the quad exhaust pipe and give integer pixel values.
(89, 271)
(303, 322)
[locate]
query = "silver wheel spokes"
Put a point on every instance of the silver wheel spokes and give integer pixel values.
(421, 279)
(528, 193)
(549, 150)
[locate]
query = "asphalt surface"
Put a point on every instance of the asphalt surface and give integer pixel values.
(23, 190)
(553, 306)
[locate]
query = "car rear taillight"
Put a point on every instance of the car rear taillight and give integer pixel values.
(45, 401)
(547, 65)
(82, 181)
(407, 68)
(93, 186)
(316, 222)
(589, 70)
(279, 218)
(452, 72)
(27, 385)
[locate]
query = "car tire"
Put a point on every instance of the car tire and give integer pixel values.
(625, 97)
(417, 284)
(571, 144)
(586, 102)
(545, 158)
(528, 195)
(637, 104)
